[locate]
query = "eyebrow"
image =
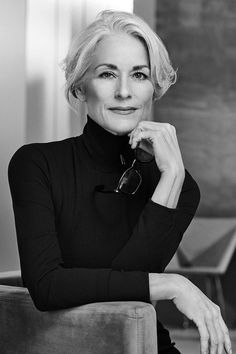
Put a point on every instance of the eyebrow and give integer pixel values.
(114, 67)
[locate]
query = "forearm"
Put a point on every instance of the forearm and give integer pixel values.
(69, 287)
(176, 190)
(168, 190)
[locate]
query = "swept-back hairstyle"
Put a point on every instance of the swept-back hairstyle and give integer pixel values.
(78, 59)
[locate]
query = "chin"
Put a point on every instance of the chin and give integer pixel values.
(121, 126)
(121, 129)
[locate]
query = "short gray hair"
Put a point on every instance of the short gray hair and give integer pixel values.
(78, 59)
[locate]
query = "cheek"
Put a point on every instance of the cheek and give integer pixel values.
(145, 93)
(148, 96)
(97, 93)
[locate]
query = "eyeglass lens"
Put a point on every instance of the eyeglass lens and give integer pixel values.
(130, 181)
(131, 178)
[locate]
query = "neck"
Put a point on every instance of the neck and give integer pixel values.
(105, 148)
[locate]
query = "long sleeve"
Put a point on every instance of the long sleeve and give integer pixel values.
(159, 231)
(51, 283)
(77, 246)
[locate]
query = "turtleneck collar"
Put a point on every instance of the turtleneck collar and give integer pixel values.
(104, 148)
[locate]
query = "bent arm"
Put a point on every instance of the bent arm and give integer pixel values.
(50, 283)
(158, 232)
(173, 204)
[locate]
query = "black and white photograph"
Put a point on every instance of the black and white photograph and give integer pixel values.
(118, 177)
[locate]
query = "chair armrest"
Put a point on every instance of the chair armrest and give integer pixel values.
(101, 328)
(11, 278)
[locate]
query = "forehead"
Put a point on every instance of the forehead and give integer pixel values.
(120, 50)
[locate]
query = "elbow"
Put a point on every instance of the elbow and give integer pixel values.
(41, 306)
(40, 295)
(40, 300)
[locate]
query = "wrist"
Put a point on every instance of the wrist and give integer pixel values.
(163, 286)
(176, 173)
(164, 187)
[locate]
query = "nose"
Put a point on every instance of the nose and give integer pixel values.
(122, 90)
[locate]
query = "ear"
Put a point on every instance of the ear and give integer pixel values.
(79, 93)
(154, 97)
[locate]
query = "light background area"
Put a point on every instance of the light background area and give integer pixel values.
(12, 115)
(34, 38)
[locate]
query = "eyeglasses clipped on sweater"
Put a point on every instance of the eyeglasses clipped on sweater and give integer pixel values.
(131, 178)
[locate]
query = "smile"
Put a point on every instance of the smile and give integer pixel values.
(123, 110)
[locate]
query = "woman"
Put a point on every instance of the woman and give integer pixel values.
(99, 216)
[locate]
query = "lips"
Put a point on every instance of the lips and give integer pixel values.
(123, 110)
(127, 108)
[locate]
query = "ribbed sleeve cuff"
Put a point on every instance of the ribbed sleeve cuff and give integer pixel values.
(156, 215)
(161, 209)
(128, 286)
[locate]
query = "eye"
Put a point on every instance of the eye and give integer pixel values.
(140, 76)
(107, 75)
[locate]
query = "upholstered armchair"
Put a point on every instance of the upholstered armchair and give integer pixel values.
(101, 328)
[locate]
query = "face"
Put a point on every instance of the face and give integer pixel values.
(118, 90)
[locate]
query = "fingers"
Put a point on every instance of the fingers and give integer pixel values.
(227, 341)
(209, 335)
(154, 134)
(220, 338)
(223, 339)
(162, 135)
(213, 332)
(166, 129)
(160, 140)
(204, 336)
(150, 135)
(215, 337)
(219, 330)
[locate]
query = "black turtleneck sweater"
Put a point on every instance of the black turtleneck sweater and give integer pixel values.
(79, 245)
